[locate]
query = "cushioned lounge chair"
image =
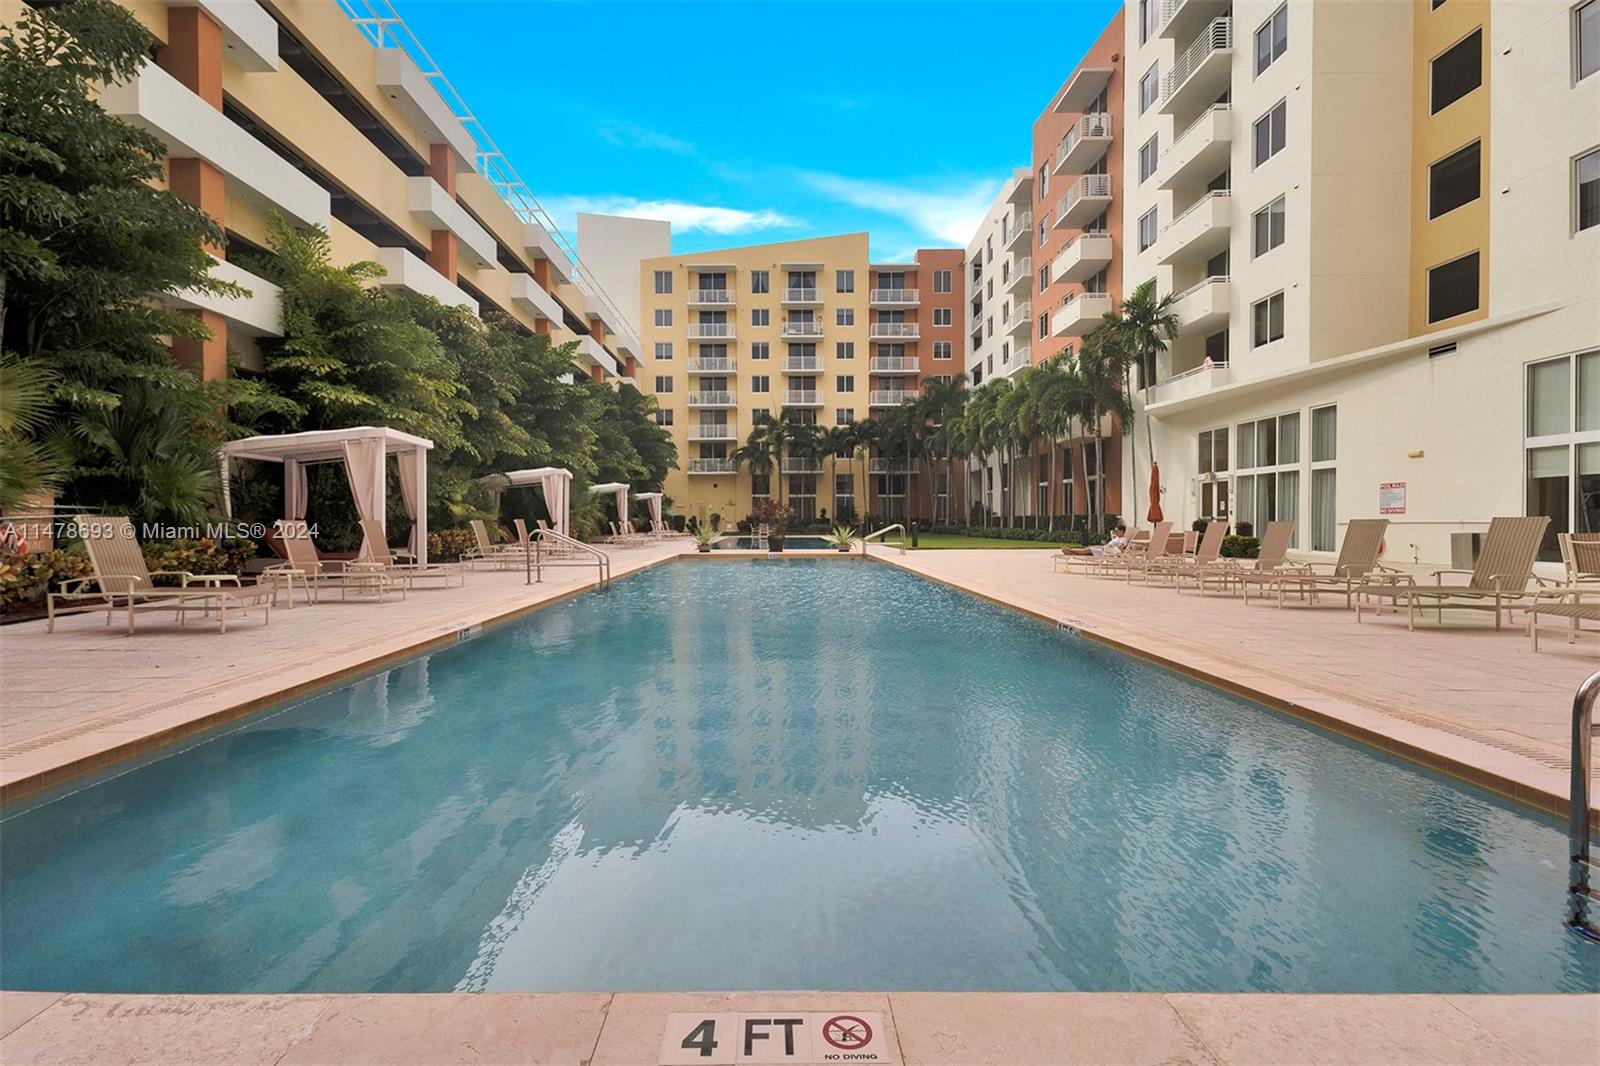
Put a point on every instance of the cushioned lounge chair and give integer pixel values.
(1497, 584)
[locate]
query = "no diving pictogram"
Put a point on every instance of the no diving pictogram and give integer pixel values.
(846, 1032)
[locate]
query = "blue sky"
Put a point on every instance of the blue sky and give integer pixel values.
(755, 121)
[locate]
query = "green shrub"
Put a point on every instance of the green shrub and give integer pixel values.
(226, 556)
(1235, 547)
(449, 545)
(25, 578)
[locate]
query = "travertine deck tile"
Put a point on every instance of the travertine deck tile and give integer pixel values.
(97, 1030)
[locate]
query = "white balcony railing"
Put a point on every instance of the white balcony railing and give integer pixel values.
(1022, 272)
(1021, 227)
(800, 330)
(714, 431)
(802, 296)
(712, 466)
(711, 399)
(1216, 37)
(890, 397)
(1084, 142)
(794, 464)
(802, 364)
(1021, 317)
(1198, 150)
(894, 297)
(893, 364)
(712, 365)
(1082, 200)
(711, 297)
(1081, 257)
(711, 331)
(1199, 231)
(802, 398)
(894, 331)
(890, 466)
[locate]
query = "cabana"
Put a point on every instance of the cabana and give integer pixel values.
(652, 503)
(364, 450)
(553, 481)
(620, 491)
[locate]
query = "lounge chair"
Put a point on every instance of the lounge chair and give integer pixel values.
(1227, 573)
(1130, 563)
(1138, 541)
(1498, 583)
(305, 565)
(1580, 557)
(502, 556)
(384, 561)
(123, 582)
(1575, 603)
(1358, 559)
(1206, 552)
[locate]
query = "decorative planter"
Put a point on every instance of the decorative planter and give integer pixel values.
(775, 543)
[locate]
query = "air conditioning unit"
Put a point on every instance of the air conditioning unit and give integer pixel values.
(1464, 550)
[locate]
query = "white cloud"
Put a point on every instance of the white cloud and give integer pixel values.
(685, 218)
(951, 215)
(628, 135)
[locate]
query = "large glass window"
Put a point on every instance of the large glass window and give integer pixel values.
(1586, 38)
(1147, 229)
(1458, 71)
(1454, 180)
(1149, 155)
(1453, 288)
(1586, 185)
(1563, 446)
(1272, 39)
(1213, 471)
(1266, 323)
(1267, 226)
(1272, 132)
(1324, 478)
(1266, 478)
(1149, 87)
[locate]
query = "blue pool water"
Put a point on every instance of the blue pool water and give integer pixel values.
(791, 543)
(781, 775)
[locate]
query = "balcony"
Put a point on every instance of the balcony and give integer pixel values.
(531, 296)
(801, 297)
(890, 397)
(1021, 274)
(893, 364)
(404, 270)
(802, 364)
(893, 331)
(710, 297)
(1199, 152)
(796, 464)
(893, 298)
(1203, 309)
(1182, 18)
(712, 466)
(711, 399)
(592, 354)
(1021, 356)
(1189, 384)
(1021, 319)
(1080, 315)
(800, 331)
(1083, 200)
(802, 398)
(716, 364)
(713, 431)
(258, 313)
(1200, 232)
(891, 466)
(711, 331)
(438, 210)
(1084, 144)
(1202, 72)
(1022, 229)
(1083, 257)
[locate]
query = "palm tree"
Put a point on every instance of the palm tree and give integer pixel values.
(833, 441)
(758, 451)
(942, 401)
(866, 433)
(982, 425)
(1054, 399)
(29, 467)
(1137, 334)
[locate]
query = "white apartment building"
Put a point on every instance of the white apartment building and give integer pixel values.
(1383, 223)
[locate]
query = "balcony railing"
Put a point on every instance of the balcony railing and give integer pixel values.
(714, 431)
(1217, 37)
(1199, 149)
(802, 296)
(712, 365)
(800, 330)
(802, 398)
(802, 364)
(712, 466)
(893, 364)
(711, 297)
(1080, 197)
(711, 399)
(1022, 226)
(1085, 142)
(1020, 356)
(1021, 317)
(711, 331)
(894, 297)
(890, 397)
(794, 464)
(1022, 268)
(1082, 256)
(890, 466)
(894, 331)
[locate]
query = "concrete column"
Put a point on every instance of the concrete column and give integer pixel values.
(442, 248)
(597, 375)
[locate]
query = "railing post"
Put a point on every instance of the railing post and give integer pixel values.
(1578, 881)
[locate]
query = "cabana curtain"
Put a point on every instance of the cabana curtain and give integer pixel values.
(363, 464)
(294, 491)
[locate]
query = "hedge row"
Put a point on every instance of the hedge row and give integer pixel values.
(26, 577)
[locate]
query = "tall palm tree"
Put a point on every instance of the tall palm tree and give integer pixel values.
(1137, 333)
(800, 437)
(759, 450)
(942, 402)
(867, 432)
(834, 441)
(982, 425)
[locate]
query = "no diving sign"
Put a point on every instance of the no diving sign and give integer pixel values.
(767, 1038)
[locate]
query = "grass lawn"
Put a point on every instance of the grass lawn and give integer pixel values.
(950, 540)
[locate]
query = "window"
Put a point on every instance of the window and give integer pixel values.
(844, 281)
(844, 349)
(844, 383)
(1147, 229)
(1267, 321)
(760, 281)
(663, 418)
(1272, 39)
(1457, 71)
(1149, 19)
(663, 316)
(760, 316)
(760, 383)
(943, 316)
(1453, 288)
(844, 494)
(845, 316)
(663, 281)
(1044, 278)
(943, 350)
(1453, 181)
(663, 349)
(1149, 155)
(1586, 38)
(1044, 326)
(663, 383)
(1149, 87)
(1272, 132)
(760, 486)
(1266, 476)
(942, 280)
(1267, 227)
(1586, 189)
(761, 350)
(1324, 478)
(988, 326)
(1563, 446)
(1213, 471)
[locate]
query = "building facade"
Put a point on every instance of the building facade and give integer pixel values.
(291, 108)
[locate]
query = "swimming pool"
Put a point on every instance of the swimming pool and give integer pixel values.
(782, 775)
(801, 542)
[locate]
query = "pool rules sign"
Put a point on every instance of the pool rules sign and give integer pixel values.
(766, 1038)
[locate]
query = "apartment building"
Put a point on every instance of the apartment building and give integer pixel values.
(291, 107)
(739, 335)
(1382, 225)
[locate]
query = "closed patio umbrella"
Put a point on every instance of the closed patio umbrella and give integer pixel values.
(1155, 514)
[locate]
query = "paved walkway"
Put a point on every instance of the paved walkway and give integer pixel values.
(86, 694)
(1462, 697)
(1016, 1029)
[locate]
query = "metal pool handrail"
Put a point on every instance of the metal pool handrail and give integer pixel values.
(881, 532)
(1580, 895)
(533, 562)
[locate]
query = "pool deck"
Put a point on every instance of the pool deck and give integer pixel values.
(1461, 698)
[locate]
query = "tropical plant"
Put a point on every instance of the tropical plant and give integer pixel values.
(942, 402)
(842, 537)
(1135, 335)
(704, 537)
(29, 467)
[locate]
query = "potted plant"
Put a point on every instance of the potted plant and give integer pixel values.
(716, 520)
(704, 538)
(842, 538)
(775, 518)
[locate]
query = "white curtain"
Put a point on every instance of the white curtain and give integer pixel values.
(294, 490)
(410, 490)
(557, 487)
(654, 503)
(363, 464)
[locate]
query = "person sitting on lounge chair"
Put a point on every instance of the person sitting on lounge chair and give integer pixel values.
(1113, 546)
